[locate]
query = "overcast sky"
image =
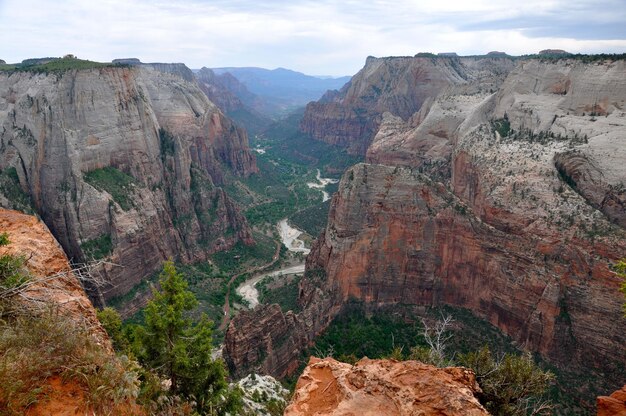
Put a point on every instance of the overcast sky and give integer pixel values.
(316, 37)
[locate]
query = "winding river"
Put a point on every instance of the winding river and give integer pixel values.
(322, 182)
(289, 236)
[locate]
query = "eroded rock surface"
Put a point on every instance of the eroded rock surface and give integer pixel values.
(613, 405)
(384, 387)
(54, 283)
(155, 128)
(400, 85)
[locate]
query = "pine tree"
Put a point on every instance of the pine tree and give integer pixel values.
(181, 351)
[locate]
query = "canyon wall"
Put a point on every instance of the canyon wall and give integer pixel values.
(125, 163)
(400, 85)
(504, 203)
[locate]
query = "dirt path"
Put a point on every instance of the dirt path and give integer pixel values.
(226, 307)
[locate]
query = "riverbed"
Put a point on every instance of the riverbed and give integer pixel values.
(321, 185)
(289, 236)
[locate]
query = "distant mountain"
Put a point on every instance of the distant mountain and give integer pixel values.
(281, 90)
(234, 99)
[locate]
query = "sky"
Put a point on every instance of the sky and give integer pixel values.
(320, 37)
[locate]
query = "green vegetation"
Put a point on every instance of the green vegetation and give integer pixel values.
(11, 189)
(141, 287)
(34, 348)
(175, 348)
(12, 271)
(167, 143)
(502, 126)
(511, 382)
(118, 184)
(285, 295)
(56, 66)
(241, 256)
(98, 248)
(353, 335)
(312, 220)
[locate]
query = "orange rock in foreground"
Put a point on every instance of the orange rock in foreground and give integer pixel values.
(384, 387)
(29, 237)
(613, 405)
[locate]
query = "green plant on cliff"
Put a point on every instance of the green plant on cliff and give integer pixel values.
(118, 184)
(180, 351)
(12, 271)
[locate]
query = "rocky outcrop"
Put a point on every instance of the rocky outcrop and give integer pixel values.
(376, 387)
(464, 205)
(124, 162)
(613, 405)
(398, 85)
(54, 282)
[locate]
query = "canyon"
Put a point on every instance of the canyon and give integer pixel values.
(124, 162)
(500, 191)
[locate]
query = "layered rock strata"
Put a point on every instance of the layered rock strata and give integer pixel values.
(125, 163)
(384, 387)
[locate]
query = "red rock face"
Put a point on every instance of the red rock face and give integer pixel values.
(384, 387)
(614, 405)
(29, 237)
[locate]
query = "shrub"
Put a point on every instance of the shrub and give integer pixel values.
(510, 385)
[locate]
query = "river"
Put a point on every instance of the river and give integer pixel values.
(289, 236)
(322, 182)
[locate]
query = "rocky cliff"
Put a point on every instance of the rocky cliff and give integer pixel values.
(613, 405)
(377, 387)
(124, 163)
(504, 203)
(234, 99)
(55, 283)
(399, 85)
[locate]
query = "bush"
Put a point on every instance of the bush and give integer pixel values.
(12, 271)
(510, 385)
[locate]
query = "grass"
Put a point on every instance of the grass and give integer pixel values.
(118, 184)
(37, 344)
(35, 348)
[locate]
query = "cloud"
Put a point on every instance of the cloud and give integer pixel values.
(320, 37)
